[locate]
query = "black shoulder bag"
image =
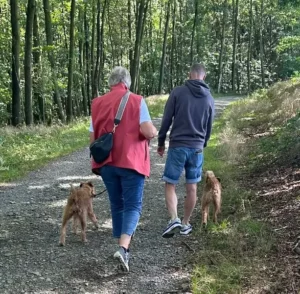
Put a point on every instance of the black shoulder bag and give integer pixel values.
(101, 148)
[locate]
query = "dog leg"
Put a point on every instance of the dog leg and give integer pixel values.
(217, 210)
(205, 211)
(92, 216)
(75, 224)
(67, 215)
(82, 218)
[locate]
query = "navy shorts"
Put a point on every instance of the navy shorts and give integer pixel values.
(180, 158)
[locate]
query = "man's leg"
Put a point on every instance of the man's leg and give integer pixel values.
(193, 170)
(174, 166)
(171, 200)
(190, 202)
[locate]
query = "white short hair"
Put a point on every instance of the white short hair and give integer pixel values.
(118, 75)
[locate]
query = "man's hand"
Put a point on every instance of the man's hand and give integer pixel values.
(161, 150)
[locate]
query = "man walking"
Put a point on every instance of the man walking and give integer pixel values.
(191, 109)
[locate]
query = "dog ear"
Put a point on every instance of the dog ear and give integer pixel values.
(90, 184)
(219, 179)
(81, 184)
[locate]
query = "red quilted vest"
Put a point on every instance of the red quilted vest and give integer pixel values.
(130, 148)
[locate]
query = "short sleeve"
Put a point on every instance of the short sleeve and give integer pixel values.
(144, 113)
(91, 127)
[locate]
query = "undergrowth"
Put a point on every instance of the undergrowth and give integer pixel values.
(234, 247)
(25, 149)
(264, 129)
(253, 134)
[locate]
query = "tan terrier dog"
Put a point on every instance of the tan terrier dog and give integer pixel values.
(79, 206)
(211, 193)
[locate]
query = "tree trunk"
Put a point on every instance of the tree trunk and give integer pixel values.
(261, 46)
(87, 58)
(98, 56)
(15, 70)
(92, 49)
(220, 76)
(82, 62)
(101, 69)
(193, 31)
(173, 46)
(49, 38)
(233, 67)
(71, 62)
(130, 54)
(163, 57)
(28, 62)
(249, 46)
(141, 14)
(38, 80)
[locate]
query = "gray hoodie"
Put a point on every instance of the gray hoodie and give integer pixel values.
(191, 108)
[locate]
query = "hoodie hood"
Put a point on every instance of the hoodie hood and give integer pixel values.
(198, 88)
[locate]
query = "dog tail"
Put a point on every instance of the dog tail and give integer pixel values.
(74, 200)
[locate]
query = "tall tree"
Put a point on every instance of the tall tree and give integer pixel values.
(235, 29)
(261, 44)
(49, 39)
(249, 46)
(196, 15)
(173, 49)
(15, 63)
(163, 56)
(220, 73)
(28, 61)
(37, 65)
(140, 15)
(69, 107)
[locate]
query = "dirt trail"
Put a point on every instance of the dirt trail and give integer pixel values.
(30, 216)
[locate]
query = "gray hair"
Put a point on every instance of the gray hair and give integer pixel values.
(118, 75)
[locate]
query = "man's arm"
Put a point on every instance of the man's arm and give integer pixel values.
(209, 125)
(166, 120)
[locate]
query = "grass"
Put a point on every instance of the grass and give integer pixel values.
(264, 129)
(233, 248)
(25, 149)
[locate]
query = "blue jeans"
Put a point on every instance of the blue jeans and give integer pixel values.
(180, 158)
(125, 189)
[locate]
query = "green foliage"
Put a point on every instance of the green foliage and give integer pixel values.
(280, 31)
(268, 124)
(233, 247)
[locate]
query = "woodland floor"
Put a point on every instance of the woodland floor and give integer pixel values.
(30, 216)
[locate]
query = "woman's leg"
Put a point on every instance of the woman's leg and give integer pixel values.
(132, 189)
(112, 182)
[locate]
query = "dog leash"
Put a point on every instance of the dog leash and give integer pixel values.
(101, 192)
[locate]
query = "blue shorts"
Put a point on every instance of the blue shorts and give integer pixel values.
(180, 158)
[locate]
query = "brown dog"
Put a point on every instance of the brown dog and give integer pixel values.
(211, 193)
(79, 206)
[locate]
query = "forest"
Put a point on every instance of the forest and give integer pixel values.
(55, 56)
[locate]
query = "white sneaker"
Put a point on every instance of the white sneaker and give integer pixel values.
(186, 229)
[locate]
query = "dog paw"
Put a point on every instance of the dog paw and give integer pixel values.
(61, 244)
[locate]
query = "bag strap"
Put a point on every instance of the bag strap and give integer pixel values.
(121, 109)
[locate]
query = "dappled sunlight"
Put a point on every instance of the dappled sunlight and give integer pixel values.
(84, 178)
(59, 203)
(107, 224)
(8, 185)
(39, 187)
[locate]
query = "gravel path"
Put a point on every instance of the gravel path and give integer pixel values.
(30, 216)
